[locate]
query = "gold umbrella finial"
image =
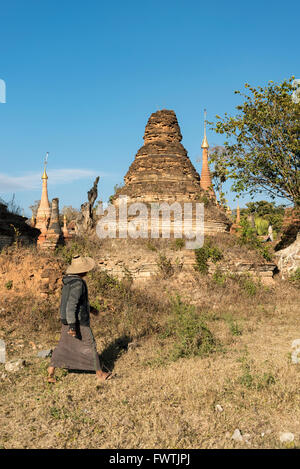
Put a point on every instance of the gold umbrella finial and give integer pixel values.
(45, 164)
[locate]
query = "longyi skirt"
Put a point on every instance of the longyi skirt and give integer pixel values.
(76, 353)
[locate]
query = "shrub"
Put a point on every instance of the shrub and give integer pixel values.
(165, 266)
(248, 285)
(178, 244)
(219, 277)
(203, 254)
(248, 235)
(265, 252)
(295, 277)
(233, 326)
(191, 334)
(79, 246)
(249, 238)
(254, 380)
(9, 285)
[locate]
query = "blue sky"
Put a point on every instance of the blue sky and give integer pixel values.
(82, 79)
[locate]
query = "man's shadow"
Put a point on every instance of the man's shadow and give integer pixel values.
(109, 355)
(113, 351)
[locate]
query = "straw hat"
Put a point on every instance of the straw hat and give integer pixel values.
(80, 265)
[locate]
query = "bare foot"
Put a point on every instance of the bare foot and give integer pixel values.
(51, 378)
(102, 376)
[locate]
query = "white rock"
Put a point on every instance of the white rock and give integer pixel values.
(286, 437)
(219, 408)
(288, 258)
(44, 353)
(237, 436)
(2, 351)
(14, 365)
(295, 351)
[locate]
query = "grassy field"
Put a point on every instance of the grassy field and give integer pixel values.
(179, 347)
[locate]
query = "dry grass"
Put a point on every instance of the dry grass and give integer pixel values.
(155, 402)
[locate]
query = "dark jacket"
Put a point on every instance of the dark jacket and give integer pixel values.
(74, 306)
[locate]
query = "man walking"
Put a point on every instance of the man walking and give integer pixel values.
(76, 349)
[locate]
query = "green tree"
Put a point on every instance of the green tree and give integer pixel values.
(267, 211)
(219, 173)
(263, 152)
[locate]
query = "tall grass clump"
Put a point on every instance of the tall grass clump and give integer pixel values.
(189, 331)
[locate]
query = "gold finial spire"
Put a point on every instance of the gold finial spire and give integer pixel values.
(45, 164)
(44, 210)
(204, 143)
(205, 181)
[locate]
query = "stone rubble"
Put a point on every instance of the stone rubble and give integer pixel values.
(289, 258)
(44, 353)
(2, 351)
(219, 408)
(286, 437)
(14, 366)
(237, 436)
(10, 222)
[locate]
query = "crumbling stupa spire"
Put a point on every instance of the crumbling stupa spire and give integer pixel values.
(65, 230)
(44, 207)
(205, 182)
(53, 236)
(54, 225)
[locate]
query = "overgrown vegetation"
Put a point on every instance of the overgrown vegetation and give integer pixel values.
(78, 246)
(249, 238)
(123, 311)
(195, 337)
(265, 214)
(295, 277)
(208, 251)
(189, 330)
(233, 325)
(165, 266)
(178, 244)
(253, 380)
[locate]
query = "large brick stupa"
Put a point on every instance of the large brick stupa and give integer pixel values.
(162, 172)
